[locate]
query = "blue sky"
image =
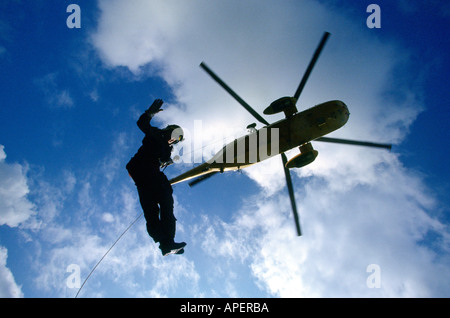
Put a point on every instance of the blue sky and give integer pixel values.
(70, 99)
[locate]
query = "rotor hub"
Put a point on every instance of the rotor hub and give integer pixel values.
(283, 104)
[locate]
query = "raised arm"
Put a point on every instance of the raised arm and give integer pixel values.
(144, 121)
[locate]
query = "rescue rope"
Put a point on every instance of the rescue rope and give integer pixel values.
(98, 263)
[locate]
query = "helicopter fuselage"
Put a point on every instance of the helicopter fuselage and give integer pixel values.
(274, 139)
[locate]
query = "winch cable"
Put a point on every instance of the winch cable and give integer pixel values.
(98, 263)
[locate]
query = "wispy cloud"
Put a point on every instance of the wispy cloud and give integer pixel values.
(15, 210)
(55, 96)
(8, 285)
(15, 207)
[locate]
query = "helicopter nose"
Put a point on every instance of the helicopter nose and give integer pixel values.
(342, 106)
(343, 109)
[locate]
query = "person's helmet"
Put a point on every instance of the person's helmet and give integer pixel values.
(175, 134)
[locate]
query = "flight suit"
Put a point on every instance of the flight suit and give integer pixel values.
(154, 189)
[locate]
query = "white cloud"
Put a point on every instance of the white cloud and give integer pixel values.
(358, 206)
(15, 208)
(8, 286)
(107, 217)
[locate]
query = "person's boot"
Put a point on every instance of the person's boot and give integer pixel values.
(180, 252)
(172, 248)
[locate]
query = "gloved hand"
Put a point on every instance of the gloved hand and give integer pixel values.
(164, 165)
(155, 107)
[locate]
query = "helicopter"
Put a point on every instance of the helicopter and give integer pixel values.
(297, 129)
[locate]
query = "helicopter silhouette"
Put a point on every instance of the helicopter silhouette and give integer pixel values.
(297, 129)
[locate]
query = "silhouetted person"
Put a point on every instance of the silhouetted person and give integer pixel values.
(154, 189)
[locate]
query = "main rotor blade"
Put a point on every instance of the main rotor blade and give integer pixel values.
(232, 93)
(354, 142)
(311, 65)
(291, 194)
